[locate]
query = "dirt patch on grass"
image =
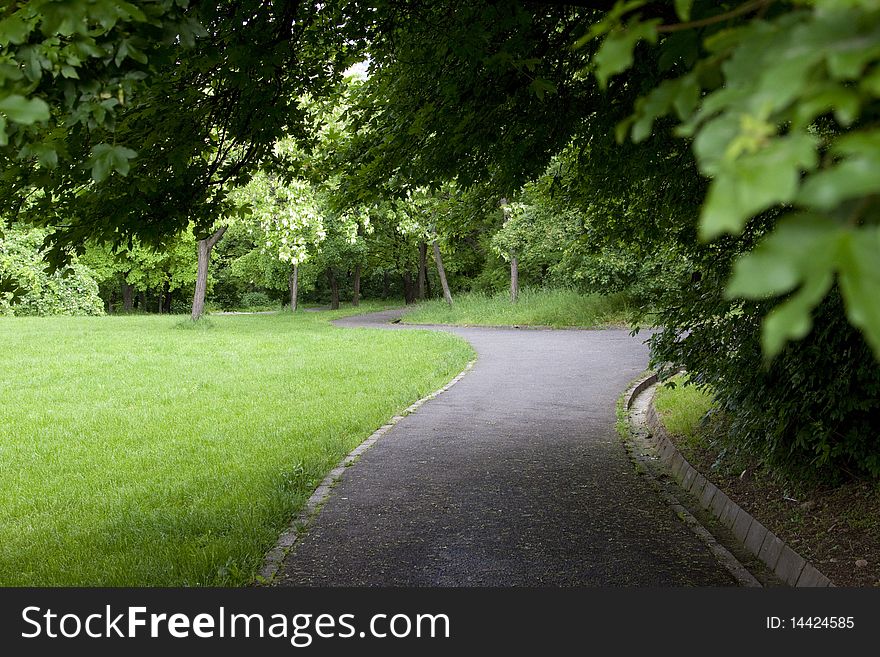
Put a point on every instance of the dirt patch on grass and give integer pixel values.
(837, 529)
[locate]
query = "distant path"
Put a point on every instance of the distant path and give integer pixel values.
(515, 476)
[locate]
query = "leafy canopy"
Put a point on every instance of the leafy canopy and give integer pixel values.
(781, 104)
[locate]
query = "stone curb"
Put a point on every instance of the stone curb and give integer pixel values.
(275, 557)
(789, 566)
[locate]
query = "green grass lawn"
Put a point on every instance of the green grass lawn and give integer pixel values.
(554, 308)
(682, 408)
(136, 451)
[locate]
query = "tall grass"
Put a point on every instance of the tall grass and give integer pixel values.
(682, 409)
(555, 308)
(136, 453)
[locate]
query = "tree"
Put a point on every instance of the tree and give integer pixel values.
(422, 209)
(780, 100)
(485, 92)
(342, 248)
(136, 121)
(508, 240)
(289, 219)
(204, 247)
(137, 267)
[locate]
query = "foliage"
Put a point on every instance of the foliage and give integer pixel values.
(810, 411)
(781, 107)
(256, 301)
(137, 120)
(184, 468)
(287, 211)
(30, 290)
(486, 91)
(143, 267)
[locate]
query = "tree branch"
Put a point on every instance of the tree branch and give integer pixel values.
(703, 22)
(216, 237)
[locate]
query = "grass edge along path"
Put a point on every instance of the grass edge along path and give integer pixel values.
(548, 308)
(834, 527)
(137, 453)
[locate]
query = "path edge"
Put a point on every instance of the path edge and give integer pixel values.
(275, 557)
(786, 563)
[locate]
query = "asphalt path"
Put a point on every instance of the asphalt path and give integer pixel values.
(513, 477)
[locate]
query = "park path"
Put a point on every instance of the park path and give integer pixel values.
(513, 477)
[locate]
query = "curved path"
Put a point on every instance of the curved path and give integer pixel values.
(514, 476)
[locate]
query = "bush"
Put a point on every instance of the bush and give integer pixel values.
(26, 288)
(813, 411)
(256, 300)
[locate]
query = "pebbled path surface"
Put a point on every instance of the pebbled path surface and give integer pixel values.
(513, 477)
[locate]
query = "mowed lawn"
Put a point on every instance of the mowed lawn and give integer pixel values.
(134, 451)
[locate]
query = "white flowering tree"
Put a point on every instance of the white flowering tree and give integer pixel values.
(514, 233)
(289, 218)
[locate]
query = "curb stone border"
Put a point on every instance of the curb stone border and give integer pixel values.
(635, 445)
(789, 566)
(298, 526)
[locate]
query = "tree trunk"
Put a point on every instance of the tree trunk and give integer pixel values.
(423, 269)
(201, 279)
(168, 296)
(163, 295)
(111, 302)
(356, 284)
(447, 295)
(514, 277)
(408, 292)
(514, 261)
(293, 284)
(334, 289)
(204, 247)
(127, 297)
(386, 285)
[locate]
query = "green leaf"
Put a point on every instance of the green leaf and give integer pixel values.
(849, 59)
(844, 102)
(609, 21)
(860, 283)
(755, 182)
(803, 255)
(800, 244)
(46, 154)
(615, 55)
(681, 94)
(683, 9)
(540, 87)
(852, 178)
(106, 158)
(128, 49)
(13, 30)
(792, 320)
(712, 140)
(24, 110)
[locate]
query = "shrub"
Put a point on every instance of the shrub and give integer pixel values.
(26, 288)
(256, 300)
(812, 411)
